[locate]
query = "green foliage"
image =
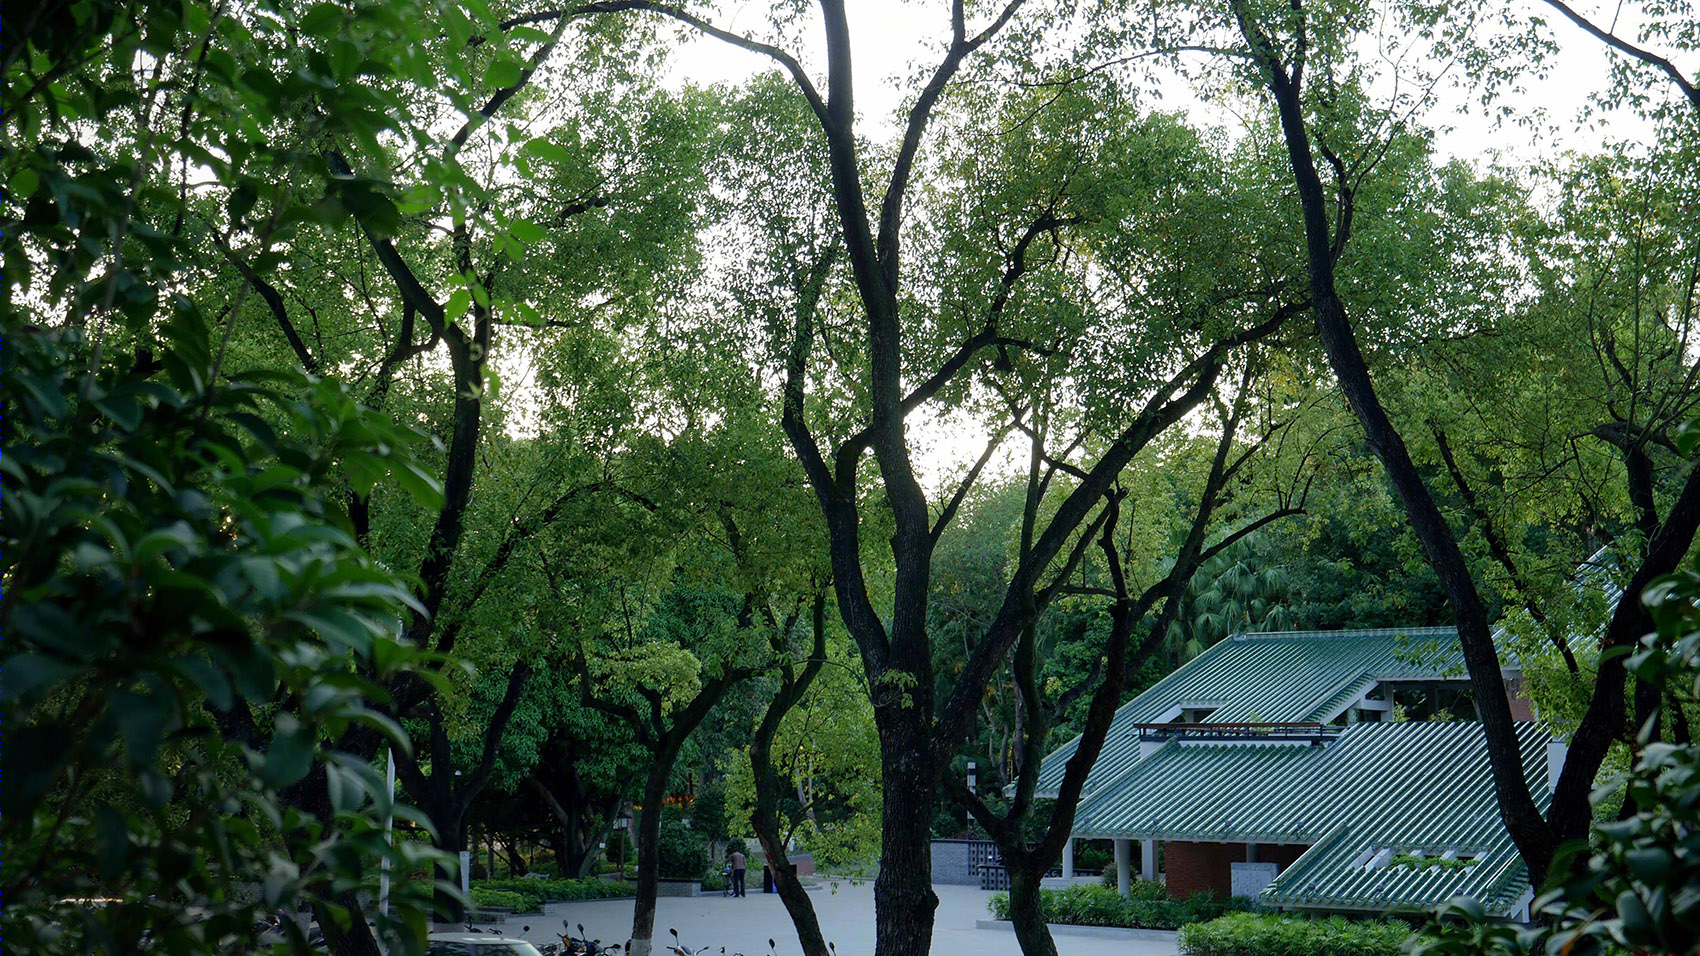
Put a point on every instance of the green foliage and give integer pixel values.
(713, 882)
(1638, 886)
(486, 898)
(681, 853)
(708, 812)
(1417, 861)
(1147, 907)
(1235, 591)
(192, 628)
(1266, 934)
(175, 569)
(532, 894)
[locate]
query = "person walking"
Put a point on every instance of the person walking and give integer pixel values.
(738, 861)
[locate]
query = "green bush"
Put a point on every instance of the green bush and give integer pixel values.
(713, 882)
(1092, 855)
(1145, 908)
(534, 893)
(502, 899)
(1266, 934)
(683, 856)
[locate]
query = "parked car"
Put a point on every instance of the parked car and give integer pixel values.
(483, 944)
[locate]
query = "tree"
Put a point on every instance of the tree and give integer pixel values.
(185, 594)
(902, 334)
(1028, 851)
(1281, 49)
(565, 267)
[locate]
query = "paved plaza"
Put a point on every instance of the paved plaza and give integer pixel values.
(846, 916)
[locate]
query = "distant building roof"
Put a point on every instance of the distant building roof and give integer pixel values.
(1270, 676)
(1377, 791)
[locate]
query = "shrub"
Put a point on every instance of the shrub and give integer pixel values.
(1146, 908)
(534, 893)
(1266, 934)
(681, 851)
(1092, 855)
(713, 882)
(501, 899)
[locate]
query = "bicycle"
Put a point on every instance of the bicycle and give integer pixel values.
(726, 880)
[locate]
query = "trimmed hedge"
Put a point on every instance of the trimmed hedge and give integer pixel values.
(1252, 934)
(1101, 906)
(533, 893)
(483, 898)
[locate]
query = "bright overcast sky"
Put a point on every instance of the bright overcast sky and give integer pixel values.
(891, 38)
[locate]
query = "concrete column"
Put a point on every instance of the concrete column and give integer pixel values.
(1124, 881)
(1148, 860)
(1068, 859)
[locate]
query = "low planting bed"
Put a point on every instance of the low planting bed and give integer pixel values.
(1146, 908)
(1267, 934)
(524, 896)
(488, 899)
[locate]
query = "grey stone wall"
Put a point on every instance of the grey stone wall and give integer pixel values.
(1249, 879)
(957, 862)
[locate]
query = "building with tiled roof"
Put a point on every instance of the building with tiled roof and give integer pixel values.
(1271, 766)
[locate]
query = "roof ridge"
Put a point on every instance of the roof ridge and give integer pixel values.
(1340, 633)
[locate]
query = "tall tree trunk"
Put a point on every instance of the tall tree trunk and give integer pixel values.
(649, 858)
(1517, 809)
(765, 815)
(311, 796)
(451, 839)
(904, 901)
(1025, 912)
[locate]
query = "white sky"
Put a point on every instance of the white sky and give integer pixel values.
(891, 38)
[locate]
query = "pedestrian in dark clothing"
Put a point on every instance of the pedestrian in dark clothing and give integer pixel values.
(738, 862)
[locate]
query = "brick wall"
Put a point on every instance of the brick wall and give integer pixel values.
(957, 862)
(1521, 707)
(1207, 867)
(1282, 854)
(1199, 867)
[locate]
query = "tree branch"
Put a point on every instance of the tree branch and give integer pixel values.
(1628, 49)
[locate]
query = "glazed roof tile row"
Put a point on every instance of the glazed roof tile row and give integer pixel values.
(1270, 677)
(1432, 776)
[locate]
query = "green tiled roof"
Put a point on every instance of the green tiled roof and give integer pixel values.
(1270, 677)
(1400, 786)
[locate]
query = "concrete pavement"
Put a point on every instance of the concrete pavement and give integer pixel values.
(846, 913)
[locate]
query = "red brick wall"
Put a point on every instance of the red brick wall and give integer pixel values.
(1521, 707)
(1280, 853)
(1207, 867)
(1199, 867)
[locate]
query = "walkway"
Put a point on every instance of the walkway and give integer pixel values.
(846, 916)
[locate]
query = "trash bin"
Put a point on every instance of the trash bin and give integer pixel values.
(766, 879)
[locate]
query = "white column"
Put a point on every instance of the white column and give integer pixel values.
(1068, 859)
(1124, 882)
(1148, 860)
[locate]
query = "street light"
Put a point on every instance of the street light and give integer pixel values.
(621, 822)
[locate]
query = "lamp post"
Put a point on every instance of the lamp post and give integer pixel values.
(465, 859)
(622, 821)
(389, 832)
